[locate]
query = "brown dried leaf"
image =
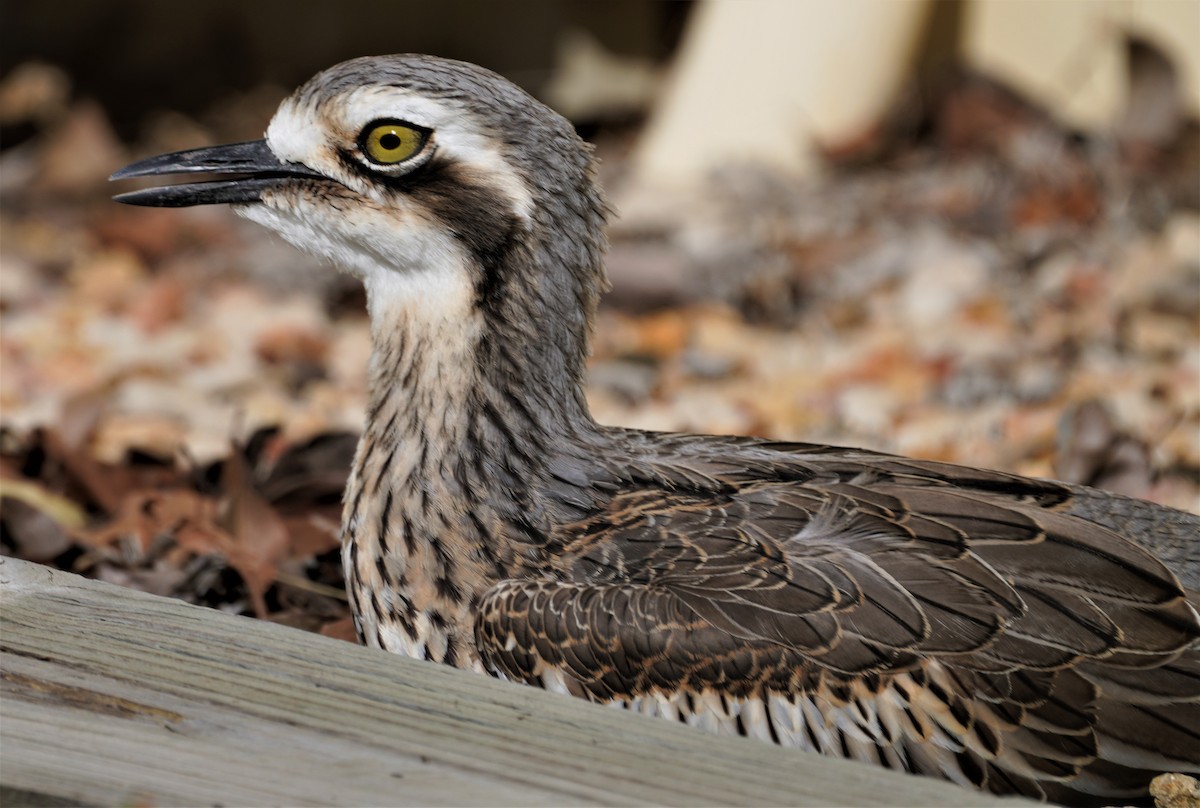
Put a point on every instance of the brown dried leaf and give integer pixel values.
(313, 533)
(102, 486)
(143, 516)
(258, 535)
(342, 629)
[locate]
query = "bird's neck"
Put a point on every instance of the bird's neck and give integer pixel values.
(460, 421)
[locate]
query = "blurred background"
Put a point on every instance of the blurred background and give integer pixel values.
(966, 230)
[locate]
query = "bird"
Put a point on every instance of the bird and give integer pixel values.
(1011, 634)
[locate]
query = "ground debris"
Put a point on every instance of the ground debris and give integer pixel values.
(227, 535)
(181, 394)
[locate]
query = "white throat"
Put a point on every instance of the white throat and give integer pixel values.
(425, 329)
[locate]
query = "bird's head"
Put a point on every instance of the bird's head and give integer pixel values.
(422, 176)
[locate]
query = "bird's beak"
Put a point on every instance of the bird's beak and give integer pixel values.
(254, 159)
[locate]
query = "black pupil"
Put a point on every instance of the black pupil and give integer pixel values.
(390, 141)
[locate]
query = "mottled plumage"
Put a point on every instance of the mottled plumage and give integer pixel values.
(1019, 635)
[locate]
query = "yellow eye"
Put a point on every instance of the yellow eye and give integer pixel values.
(388, 143)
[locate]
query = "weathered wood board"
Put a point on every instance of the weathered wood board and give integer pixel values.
(115, 697)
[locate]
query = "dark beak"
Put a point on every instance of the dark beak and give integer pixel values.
(254, 159)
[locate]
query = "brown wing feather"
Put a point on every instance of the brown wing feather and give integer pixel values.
(994, 612)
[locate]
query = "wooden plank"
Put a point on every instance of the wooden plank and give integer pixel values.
(117, 697)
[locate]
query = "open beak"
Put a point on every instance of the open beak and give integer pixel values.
(254, 159)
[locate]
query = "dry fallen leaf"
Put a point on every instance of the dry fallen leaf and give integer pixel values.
(258, 537)
(344, 630)
(186, 516)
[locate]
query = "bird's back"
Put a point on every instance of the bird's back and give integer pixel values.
(1008, 633)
